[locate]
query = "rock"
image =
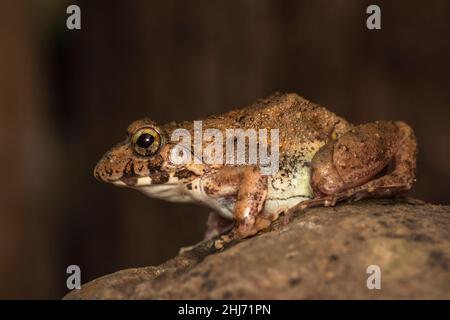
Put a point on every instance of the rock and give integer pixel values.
(322, 253)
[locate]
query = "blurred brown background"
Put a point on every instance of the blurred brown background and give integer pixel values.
(67, 96)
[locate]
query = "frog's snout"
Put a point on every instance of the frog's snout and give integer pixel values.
(108, 169)
(97, 173)
(100, 173)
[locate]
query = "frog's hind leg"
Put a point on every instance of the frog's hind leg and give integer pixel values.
(402, 176)
(350, 167)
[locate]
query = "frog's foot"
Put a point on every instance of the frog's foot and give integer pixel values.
(327, 201)
(188, 248)
(238, 232)
(246, 228)
(353, 167)
(306, 204)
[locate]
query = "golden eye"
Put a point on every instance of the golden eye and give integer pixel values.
(146, 141)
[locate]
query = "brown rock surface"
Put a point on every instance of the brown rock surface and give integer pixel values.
(322, 253)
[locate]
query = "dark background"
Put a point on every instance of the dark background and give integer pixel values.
(67, 96)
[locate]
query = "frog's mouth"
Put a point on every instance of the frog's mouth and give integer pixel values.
(133, 181)
(171, 188)
(147, 181)
(168, 192)
(124, 182)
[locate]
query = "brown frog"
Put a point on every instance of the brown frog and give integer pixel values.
(322, 159)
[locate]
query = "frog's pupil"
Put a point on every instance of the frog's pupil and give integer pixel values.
(145, 140)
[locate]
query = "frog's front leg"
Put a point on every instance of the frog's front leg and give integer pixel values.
(248, 187)
(352, 166)
(250, 201)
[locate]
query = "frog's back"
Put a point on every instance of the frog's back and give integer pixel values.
(300, 122)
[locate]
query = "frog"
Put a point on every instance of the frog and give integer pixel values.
(323, 160)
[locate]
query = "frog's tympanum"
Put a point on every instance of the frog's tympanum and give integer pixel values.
(323, 159)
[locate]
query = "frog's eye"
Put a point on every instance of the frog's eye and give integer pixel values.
(146, 142)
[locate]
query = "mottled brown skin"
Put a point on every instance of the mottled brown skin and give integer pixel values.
(343, 162)
(344, 169)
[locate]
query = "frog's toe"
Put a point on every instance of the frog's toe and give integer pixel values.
(186, 249)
